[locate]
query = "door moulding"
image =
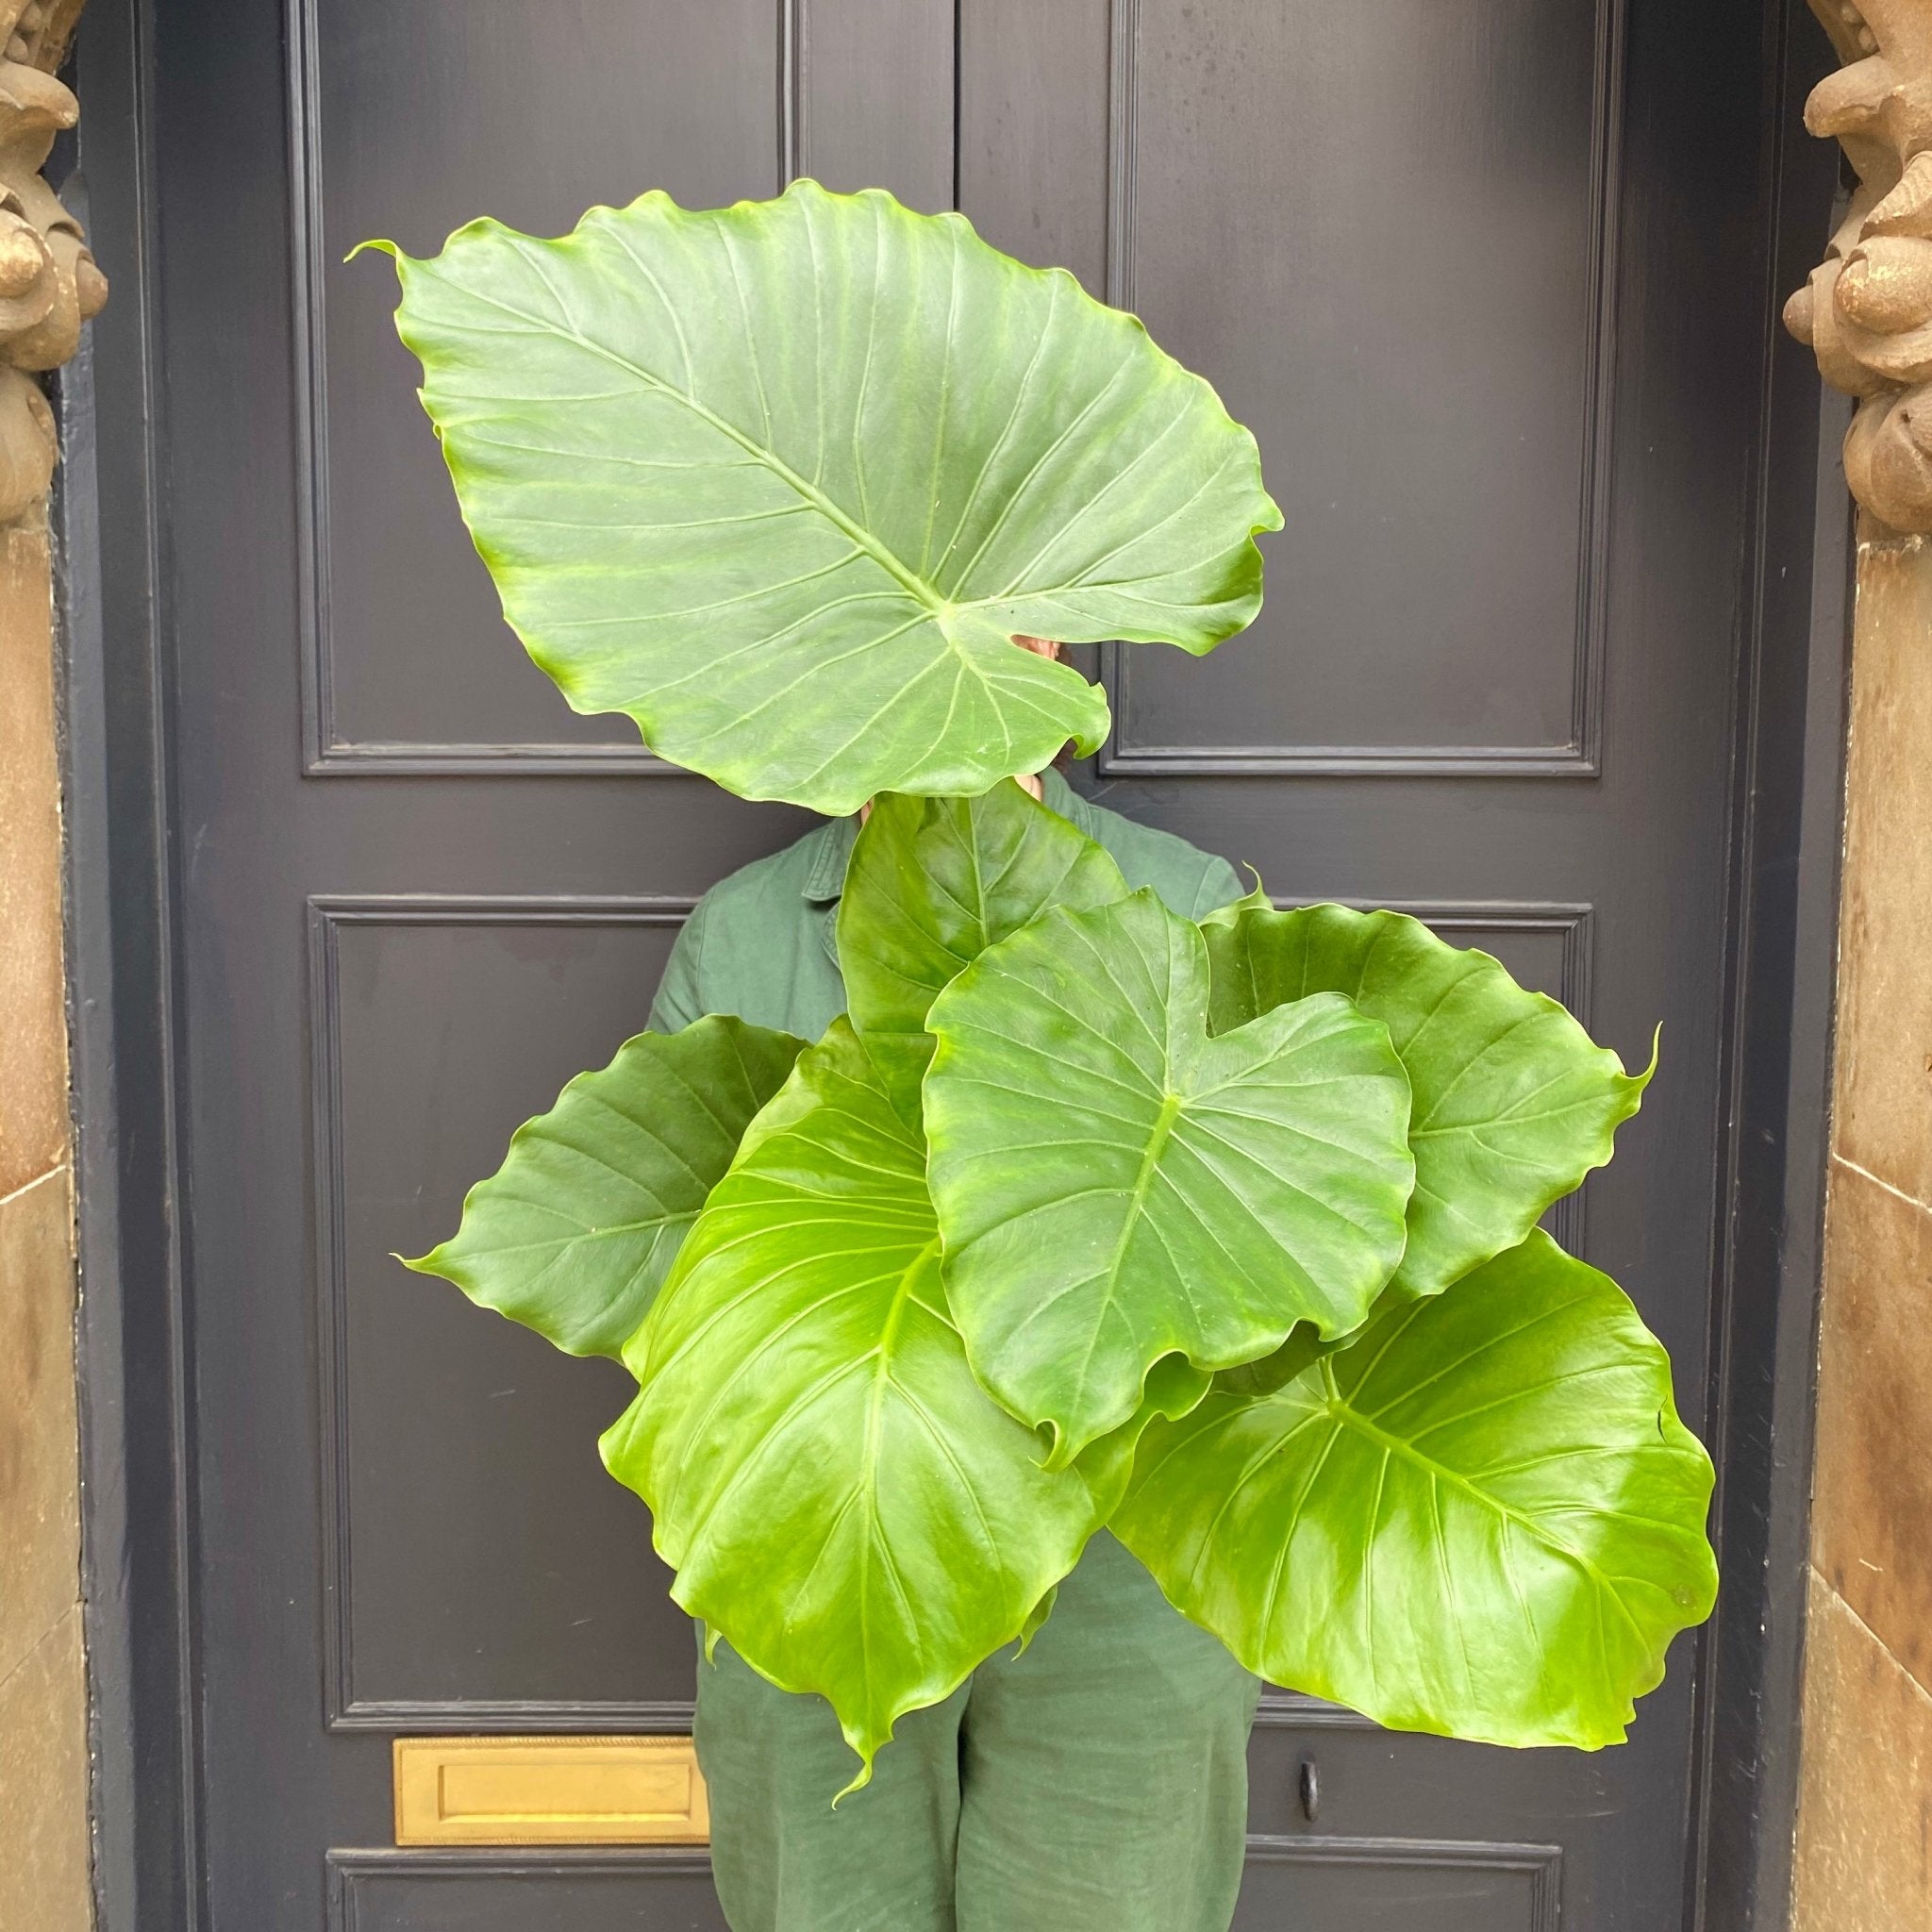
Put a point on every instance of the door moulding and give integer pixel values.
(326, 915)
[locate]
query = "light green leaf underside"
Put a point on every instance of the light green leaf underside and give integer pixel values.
(576, 1230)
(836, 1495)
(1514, 1103)
(1304, 1347)
(1483, 1518)
(1113, 1185)
(780, 481)
(933, 881)
(1037, 1617)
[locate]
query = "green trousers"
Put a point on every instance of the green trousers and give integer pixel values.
(1096, 1783)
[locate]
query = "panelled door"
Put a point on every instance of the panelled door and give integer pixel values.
(1471, 268)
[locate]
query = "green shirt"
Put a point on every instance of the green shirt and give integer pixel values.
(763, 943)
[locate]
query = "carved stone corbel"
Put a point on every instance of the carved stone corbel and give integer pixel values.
(1867, 309)
(49, 285)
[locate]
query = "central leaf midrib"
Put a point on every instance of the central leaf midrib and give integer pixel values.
(907, 578)
(1150, 1159)
(1346, 1413)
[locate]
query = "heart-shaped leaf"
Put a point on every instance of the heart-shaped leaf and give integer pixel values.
(933, 881)
(836, 1494)
(1514, 1103)
(1113, 1185)
(572, 1234)
(782, 480)
(1483, 1518)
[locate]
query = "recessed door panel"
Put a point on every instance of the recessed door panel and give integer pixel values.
(468, 1892)
(483, 1563)
(411, 121)
(1295, 200)
(1366, 1885)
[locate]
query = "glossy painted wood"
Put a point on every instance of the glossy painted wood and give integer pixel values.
(1495, 677)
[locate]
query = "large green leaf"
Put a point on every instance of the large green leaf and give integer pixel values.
(1113, 1185)
(933, 881)
(574, 1234)
(1514, 1103)
(837, 1497)
(1483, 1518)
(782, 480)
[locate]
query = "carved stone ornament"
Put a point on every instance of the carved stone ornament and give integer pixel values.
(49, 285)
(1867, 310)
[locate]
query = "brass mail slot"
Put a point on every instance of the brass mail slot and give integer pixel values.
(549, 1791)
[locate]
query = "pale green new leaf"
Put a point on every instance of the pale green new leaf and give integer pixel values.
(933, 881)
(574, 1234)
(1514, 1103)
(838, 1497)
(1483, 1518)
(1114, 1186)
(781, 481)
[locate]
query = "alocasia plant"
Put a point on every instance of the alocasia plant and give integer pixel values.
(1221, 1234)
(782, 480)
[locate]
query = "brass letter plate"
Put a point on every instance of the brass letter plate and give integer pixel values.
(549, 1791)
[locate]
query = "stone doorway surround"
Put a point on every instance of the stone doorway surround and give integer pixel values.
(49, 287)
(1864, 1833)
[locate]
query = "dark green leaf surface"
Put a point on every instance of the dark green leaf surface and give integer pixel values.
(1483, 1518)
(933, 881)
(1114, 1186)
(837, 1497)
(1514, 1103)
(781, 481)
(574, 1232)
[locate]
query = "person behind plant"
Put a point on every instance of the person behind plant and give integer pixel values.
(639, 431)
(1093, 1781)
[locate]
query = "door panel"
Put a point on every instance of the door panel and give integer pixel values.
(1437, 370)
(464, 1453)
(415, 118)
(482, 1571)
(494, 1893)
(1368, 1884)
(1493, 684)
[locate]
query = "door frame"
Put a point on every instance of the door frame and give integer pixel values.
(140, 1534)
